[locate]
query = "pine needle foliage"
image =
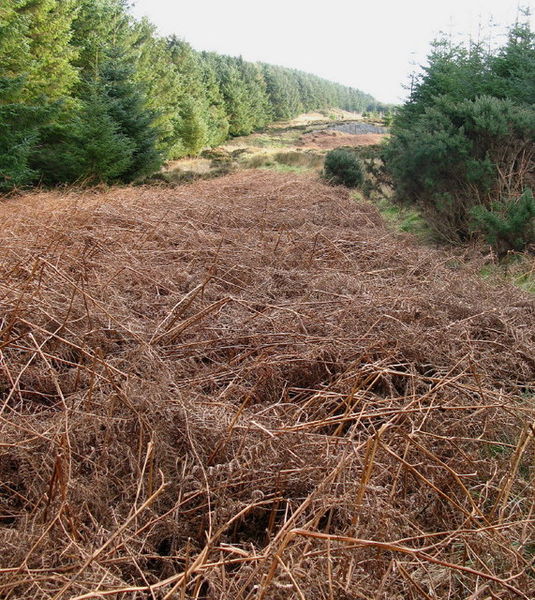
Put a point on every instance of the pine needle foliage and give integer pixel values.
(508, 225)
(464, 142)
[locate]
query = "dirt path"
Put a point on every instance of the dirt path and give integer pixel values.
(249, 388)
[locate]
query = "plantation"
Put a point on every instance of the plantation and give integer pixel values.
(89, 95)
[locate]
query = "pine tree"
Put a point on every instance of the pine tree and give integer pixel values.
(49, 74)
(257, 98)
(19, 132)
(100, 152)
(235, 94)
(70, 69)
(467, 128)
(513, 69)
(283, 92)
(217, 120)
(108, 96)
(128, 109)
(192, 122)
(35, 74)
(162, 85)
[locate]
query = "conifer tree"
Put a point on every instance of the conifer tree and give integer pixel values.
(19, 132)
(192, 126)
(128, 109)
(256, 94)
(217, 119)
(162, 85)
(49, 73)
(100, 152)
(70, 69)
(35, 74)
(513, 68)
(111, 103)
(464, 141)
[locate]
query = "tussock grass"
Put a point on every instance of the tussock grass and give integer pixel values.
(289, 161)
(248, 388)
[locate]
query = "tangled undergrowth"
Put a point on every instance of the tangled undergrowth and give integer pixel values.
(249, 388)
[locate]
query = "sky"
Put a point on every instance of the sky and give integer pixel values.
(373, 45)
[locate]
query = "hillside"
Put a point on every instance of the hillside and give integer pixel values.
(250, 388)
(89, 94)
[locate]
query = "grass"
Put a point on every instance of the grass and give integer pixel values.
(403, 219)
(273, 149)
(282, 168)
(517, 269)
(274, 137)
(297, 161)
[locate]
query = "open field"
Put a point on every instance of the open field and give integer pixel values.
(299, 145)
(249, 388)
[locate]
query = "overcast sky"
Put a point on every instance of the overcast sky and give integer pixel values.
(369, 44)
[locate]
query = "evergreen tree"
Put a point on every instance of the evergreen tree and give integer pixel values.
(163, 87)
(110, 105)
(35, 75)
(256, 99)
(192, 118)
(99, 25)
(100, 152)
(89, 148)
(19, 132)
(513, 68)
(283, 92)
(49, 74)
(217, 119)
(128, 109)
(465, 138)
(235, 93)
(81, 79)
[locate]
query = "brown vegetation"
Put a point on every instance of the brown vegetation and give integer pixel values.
(247, 388)
(331, 139)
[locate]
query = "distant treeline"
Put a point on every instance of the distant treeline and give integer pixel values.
(89, 94)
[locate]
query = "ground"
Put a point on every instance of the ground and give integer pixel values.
(298, 145)
(251, 388)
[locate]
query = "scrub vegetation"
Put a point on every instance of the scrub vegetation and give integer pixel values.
(462, 148)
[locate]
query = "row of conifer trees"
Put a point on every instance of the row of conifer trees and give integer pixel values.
(89, 94)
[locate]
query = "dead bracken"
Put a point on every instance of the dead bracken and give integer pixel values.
(248, 388)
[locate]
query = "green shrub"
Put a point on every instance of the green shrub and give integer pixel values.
(342, 167)
(457, 156)
(464, 140)
(508, 225)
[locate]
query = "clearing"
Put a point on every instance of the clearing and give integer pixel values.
(249, 388)
(298, 145)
